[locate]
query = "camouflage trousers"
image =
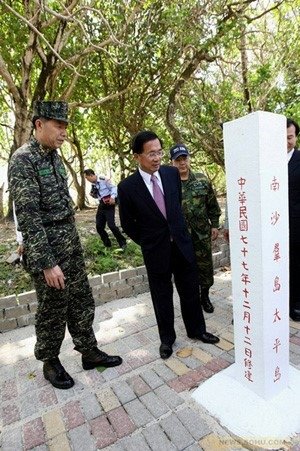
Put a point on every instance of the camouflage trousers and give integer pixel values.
(74, 306)
(203, 252)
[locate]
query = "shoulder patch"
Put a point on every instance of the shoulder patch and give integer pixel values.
(104, 178)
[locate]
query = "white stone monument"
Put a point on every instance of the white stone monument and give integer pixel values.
(258, 397)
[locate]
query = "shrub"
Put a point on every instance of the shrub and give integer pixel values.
(99, 260)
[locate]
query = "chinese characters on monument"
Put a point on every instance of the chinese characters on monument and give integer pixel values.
(258, 222)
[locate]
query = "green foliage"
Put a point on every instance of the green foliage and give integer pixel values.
(99, 260)
(133, 53)
(13, 278)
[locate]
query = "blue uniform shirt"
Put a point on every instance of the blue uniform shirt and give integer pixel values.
(104, 188)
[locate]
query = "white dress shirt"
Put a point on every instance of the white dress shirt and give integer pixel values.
(147, 179)
(290, 154)
(19, 236)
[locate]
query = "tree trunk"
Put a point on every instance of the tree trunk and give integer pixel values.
(184, 77)
(244, 61)
(1, 202)
(78, 179)
(22, 131)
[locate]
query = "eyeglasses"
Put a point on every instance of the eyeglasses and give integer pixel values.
(152, 155)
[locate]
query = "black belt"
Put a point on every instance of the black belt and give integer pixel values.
(68, 220)
(103, 204)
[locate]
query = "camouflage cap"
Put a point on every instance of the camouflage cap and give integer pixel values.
(51, 110)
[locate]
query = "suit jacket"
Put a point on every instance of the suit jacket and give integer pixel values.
(294, 196)
(143, 222)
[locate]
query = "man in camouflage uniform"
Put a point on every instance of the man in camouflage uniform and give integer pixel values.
(43, 206)
(202, 213)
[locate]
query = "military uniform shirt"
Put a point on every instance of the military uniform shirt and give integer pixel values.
(200, 205)
(38, 184)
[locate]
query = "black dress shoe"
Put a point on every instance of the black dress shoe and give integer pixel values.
(55, 373)
(295, 315)
(95, 358)
(206, 338)
(205, 301)
(165, 351)
(207, 306)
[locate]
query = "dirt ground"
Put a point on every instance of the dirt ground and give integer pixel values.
(85, 220)
(7, 231)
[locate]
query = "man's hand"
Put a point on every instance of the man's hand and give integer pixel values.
(20, 250)
(226, 234)
(112, 201)
(55, 277)
(214, 234)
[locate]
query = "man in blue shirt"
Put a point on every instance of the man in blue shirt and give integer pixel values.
(103, 190)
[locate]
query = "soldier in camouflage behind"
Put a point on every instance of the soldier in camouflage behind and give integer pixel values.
(43, 206)
(202, 213)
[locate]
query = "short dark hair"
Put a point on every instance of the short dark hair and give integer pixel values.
(89, 172)
(141, 138)
(290, 122)
(35, 118)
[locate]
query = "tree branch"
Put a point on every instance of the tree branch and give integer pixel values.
(98, 102)
(32, 27)
(4, 72)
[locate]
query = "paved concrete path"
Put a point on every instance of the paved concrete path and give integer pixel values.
(144, 404)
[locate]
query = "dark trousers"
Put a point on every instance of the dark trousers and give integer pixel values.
(187, 284)
(294, 275)
(106, 215)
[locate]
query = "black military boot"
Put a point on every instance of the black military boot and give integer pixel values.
(205, 301)
(95, 357)
(55, 373)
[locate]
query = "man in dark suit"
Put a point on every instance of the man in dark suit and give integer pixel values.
(150, 213)
(294, 217)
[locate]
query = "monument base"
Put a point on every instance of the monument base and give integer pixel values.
(252, 420)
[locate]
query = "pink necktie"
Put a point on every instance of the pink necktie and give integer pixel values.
(158, 196)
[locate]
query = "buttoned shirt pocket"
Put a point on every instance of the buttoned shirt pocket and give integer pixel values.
(53, 187)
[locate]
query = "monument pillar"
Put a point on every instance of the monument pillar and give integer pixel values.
(257, 196)
(258, 397)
